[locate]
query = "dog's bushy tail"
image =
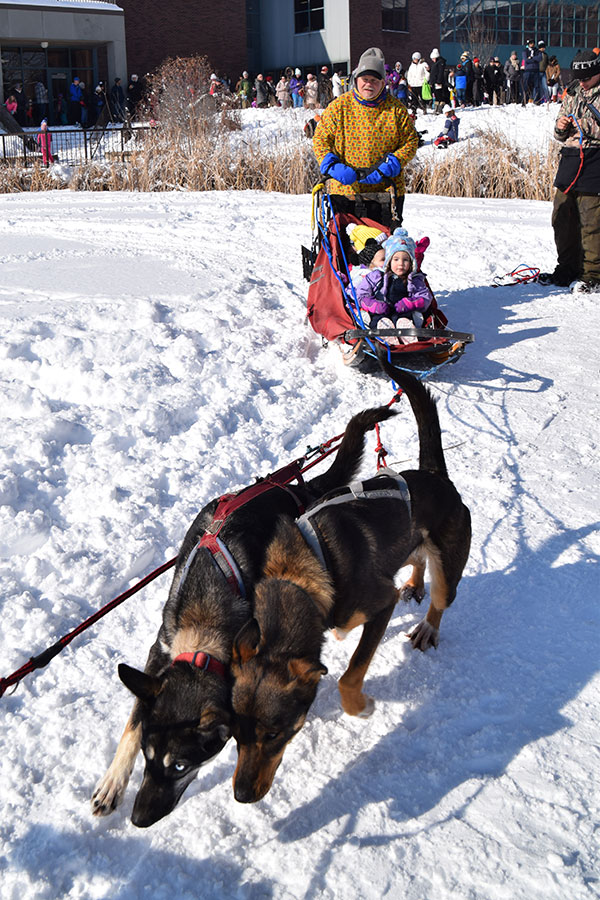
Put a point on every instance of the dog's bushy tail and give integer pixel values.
(431, 453)
(349, 456)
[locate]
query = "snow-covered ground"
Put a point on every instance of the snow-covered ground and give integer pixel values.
(154, 355)
(529, 128)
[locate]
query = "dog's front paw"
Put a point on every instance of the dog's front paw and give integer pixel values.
(409, 592)
(368, 708)
(109, 793)
(424, 636)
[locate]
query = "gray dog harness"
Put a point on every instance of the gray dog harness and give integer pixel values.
(396, 489)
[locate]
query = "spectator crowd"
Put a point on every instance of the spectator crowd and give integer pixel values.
(529, 76)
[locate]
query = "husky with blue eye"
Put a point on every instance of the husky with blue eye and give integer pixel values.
(182, 713)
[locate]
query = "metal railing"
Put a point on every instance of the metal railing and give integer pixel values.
(73, 146)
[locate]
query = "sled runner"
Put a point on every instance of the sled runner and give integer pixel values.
(334, 313)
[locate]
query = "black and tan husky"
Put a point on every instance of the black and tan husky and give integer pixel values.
(181, 716)
(335, 568)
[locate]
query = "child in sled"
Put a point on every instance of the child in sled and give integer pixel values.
(367, 243)
(450, 133)
(399, 296)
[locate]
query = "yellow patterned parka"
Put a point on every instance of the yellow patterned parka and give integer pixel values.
(362, 133)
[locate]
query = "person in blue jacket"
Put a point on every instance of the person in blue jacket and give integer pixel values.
(460, 84)
(531, 73)
(75, 100)
(450, 133)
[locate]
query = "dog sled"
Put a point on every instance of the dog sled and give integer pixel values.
(334, 313)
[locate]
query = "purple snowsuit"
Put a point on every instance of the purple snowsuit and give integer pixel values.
(375, 290)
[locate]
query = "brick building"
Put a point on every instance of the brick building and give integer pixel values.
(156, 30)
(271, 34)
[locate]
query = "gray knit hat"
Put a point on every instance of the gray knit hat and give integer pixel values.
(371, 63)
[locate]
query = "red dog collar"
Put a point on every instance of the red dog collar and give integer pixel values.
(202, 660)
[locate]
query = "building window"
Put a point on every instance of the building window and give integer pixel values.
(513, 22)
(309, 15)
(394, 15)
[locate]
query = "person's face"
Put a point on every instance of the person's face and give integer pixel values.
(369, 86)
(588, 83)
(378, 260)
(401, 263)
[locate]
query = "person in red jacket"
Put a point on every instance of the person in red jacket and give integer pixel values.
(44, 140)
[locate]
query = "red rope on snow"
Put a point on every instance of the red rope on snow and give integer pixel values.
(39, 662)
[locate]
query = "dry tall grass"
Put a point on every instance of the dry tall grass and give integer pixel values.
(487, 165)
(198, 146)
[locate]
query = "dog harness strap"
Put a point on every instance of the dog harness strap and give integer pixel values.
(228, 503)
(308, 532)
(357, 491)
(354, 491)
(201, 660)
(225, 562)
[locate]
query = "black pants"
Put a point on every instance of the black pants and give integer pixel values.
(362, 206)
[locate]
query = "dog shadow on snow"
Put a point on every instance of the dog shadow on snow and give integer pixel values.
(62, 862)
(518, 644)
(515, 648)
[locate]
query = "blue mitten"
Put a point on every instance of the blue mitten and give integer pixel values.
(390, 167)
(331, 167)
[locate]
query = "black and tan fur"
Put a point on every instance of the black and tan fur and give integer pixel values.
(276, 657)
(181, 717)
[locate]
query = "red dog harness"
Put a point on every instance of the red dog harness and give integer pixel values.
(229, 503)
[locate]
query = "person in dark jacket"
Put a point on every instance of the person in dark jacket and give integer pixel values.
(449, 135)
(544, 95)
(478, 83)
(531, 74)
(117, 101)
(134, 95)
(437, 80)
(262, 91)
(325, 92)
(576, 209)
(467, 69)
(493, 77)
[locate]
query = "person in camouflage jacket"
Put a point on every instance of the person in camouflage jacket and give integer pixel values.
(576, 208)
(366, 128)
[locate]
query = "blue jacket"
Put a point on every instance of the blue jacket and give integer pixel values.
(75, 93)
(533, 59)
(451, 128)
(460, 80)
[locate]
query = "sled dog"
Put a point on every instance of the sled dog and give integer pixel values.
(182, 712)
(334, 568)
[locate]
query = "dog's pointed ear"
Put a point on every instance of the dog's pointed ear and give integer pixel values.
(245, 646)
(306, 671)
(145, 687)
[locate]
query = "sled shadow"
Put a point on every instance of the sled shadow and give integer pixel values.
(66, 863)
(509, 661)
(485, 311)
